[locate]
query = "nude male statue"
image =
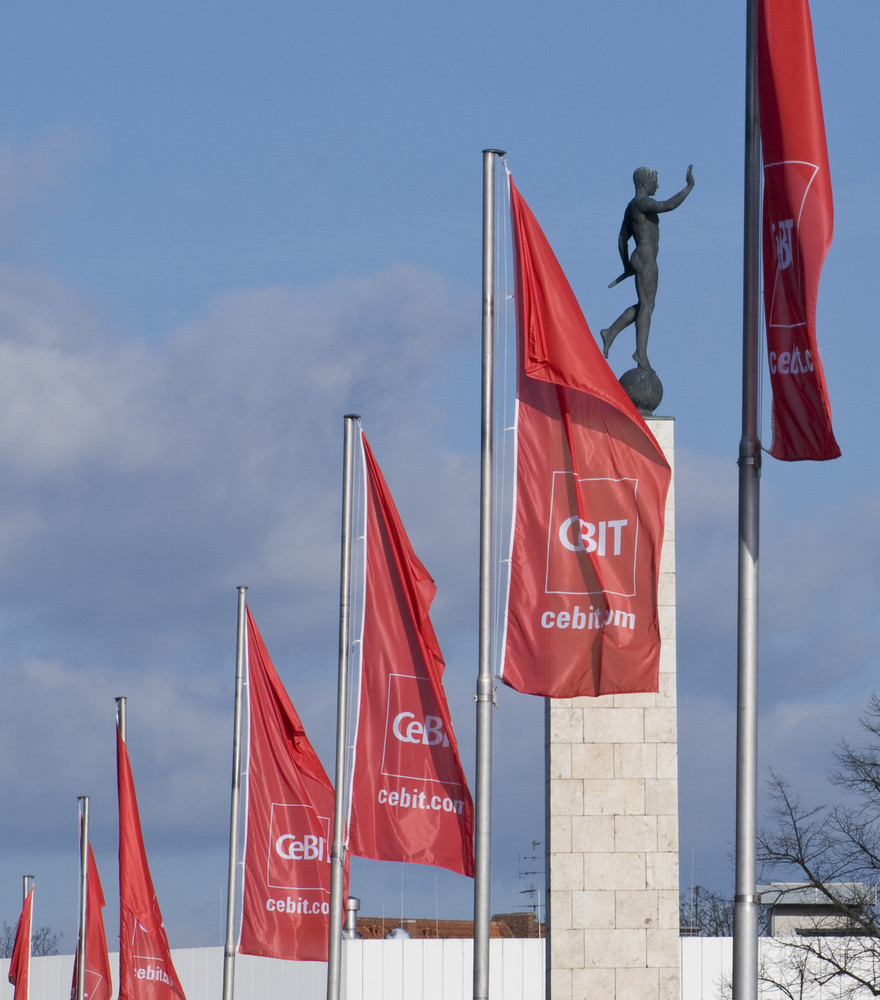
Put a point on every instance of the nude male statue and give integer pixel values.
(641, 224)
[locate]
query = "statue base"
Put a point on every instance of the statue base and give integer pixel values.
(644, 388)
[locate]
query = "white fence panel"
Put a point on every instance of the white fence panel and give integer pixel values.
(442, 970)
(372, 970)
(706, 963)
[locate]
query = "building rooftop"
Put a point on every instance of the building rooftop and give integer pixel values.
(805, 894)
(503, 925)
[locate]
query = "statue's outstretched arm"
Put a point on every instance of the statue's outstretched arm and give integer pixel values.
(670, 203)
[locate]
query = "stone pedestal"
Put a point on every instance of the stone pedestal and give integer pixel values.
(612, 825)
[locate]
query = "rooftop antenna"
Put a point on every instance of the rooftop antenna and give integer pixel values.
(530, 867)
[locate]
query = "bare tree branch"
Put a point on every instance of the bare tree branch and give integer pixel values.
(836, 852)
(44, 941)
(706, 913)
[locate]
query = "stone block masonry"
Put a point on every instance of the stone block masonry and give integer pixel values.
(612, 824)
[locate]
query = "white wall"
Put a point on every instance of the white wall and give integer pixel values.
(706, 962)
(400, 970)
(373, 970)
(442, 970)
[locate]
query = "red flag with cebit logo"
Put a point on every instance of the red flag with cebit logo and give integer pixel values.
(798, 223)
(591, 484)
(98, 985)
(286, 897)
(20, 963)
(410, 800)
(146, 971)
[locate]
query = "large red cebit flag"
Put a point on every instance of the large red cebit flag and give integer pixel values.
(98, 985)
(146, 971)
(20, 963)
(410, 800)
(591, 485)
(798, 223)
(286, 898)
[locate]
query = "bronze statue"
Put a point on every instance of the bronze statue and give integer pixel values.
(640, 223)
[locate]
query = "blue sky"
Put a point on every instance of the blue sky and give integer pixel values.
(223, 228)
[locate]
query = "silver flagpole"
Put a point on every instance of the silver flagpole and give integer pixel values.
(745, 910)
(120, 721)
(83, 801)
(25, 889)
(485, 692)
(337, 856)
(235, 806)
(120, 715)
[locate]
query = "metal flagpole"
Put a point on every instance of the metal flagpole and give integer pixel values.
(83, 802)
(745, 910)
(485, 692)
(25, 889)
(120, 722)
(235, 806)
(337, 856)
(120, 715)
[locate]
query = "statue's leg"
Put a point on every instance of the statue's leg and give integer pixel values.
(621, 323)
(646, 286)
(643, 328)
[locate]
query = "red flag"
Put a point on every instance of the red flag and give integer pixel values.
(591, 485)
(798, 223)
(286, 898)
(98, 985)
(410, 800)
(20, 963)
(146, 971)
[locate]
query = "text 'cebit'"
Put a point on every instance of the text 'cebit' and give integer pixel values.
(592, 537)
(430, 732)
(309, 848)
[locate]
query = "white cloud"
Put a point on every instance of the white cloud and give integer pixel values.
(223, 443)
(143, 482)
